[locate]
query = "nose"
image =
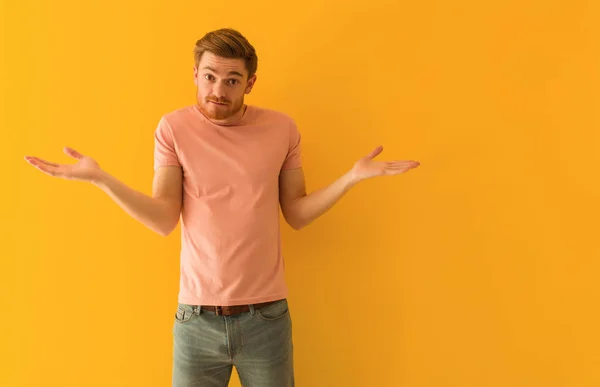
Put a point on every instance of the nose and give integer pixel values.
(219, 92)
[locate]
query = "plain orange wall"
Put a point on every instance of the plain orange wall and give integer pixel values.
(478, 269)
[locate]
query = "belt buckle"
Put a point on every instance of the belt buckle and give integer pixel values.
(218, 311)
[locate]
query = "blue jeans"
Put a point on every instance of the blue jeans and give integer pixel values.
(258, 343)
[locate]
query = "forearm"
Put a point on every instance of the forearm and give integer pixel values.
(309, 207)
(154, 213)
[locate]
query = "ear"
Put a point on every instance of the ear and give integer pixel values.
(196, 75)
(251, 83)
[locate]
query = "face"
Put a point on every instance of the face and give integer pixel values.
(221, 85)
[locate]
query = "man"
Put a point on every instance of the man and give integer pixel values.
(225, 168)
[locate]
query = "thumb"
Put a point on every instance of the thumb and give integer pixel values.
(375, 152)
(72, 152)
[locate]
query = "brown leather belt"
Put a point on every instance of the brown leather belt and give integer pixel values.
(235, 309)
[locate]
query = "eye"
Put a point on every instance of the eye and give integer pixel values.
(208, 76)
(235, 81)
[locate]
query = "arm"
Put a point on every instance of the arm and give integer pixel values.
(300, 209)
(160, 212)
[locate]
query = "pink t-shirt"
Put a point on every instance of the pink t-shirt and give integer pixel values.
(230, 230)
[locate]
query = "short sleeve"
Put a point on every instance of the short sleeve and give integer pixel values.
(293, 158)
(164, 146)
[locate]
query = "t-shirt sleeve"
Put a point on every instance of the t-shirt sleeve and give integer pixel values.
(293, 158)
(165, 153)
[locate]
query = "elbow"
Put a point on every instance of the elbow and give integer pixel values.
(163, 233)
(168, 223)
(294, 217)
(296, 224)
(166, 229)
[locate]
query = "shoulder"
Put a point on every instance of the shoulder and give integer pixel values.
(177, 120)
(177, 115)
(269, 115)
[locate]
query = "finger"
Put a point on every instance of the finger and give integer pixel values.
(403, 164)
(72, 152)
(47, 169)
(42, 161)
(397, 168)
(396, 171)
(375, 152)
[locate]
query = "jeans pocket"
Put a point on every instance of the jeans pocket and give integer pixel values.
(184, 313)
(275, 311)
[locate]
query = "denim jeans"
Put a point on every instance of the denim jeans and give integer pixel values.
(258, 343)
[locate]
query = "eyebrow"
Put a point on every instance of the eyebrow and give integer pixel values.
(230, 73)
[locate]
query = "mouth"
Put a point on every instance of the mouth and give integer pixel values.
(218, 103)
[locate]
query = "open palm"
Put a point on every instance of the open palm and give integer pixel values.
(85, 169)
(366, 167)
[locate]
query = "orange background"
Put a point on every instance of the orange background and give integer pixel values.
(478, 269)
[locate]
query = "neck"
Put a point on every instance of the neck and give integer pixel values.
(234, 118)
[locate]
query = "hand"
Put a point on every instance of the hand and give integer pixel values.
(85, 169)
(366, 167)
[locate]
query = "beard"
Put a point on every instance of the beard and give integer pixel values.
(219, 112)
